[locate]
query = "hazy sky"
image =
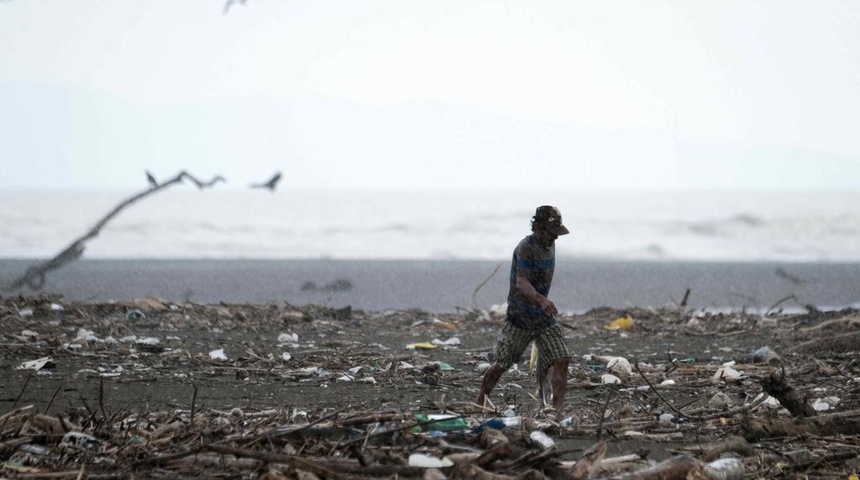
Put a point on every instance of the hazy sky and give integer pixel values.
(432, 94)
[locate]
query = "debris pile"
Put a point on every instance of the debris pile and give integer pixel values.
(153, 389)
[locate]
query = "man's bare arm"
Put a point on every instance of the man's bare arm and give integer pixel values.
(526, 287)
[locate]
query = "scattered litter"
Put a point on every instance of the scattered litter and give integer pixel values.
(56, 307)
(421, 460)
(724, 469)
(80, 440)
(420, 346)
(25, 313)
(29, 334)
(503, 422)
(134, 315)
(620, 323)
(766, 355)
(440, 422)
(769, 402)
(667, 420)
(291, 338)
(445, 325)
(826, 403)
(450, 342)
(362, 396)
(299, 416)
(619, 366)
(541, 440)
(609, 378)
(720, 401)
(149, 344)
(37, 364)
(726, 373)
(87, 335)
(217, 354)
(483, 367)
(443, 366)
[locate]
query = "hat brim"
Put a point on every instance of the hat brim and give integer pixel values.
(560, 230)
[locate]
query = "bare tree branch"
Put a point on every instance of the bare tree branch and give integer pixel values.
(34, 277)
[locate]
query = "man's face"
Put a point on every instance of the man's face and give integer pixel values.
(546, 236)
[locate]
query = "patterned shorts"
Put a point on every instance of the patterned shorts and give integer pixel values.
(514, 341)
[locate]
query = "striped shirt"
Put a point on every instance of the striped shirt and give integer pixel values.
(537, 263)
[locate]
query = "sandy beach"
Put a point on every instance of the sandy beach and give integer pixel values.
(182, 389)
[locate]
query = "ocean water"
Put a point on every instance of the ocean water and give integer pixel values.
(657, 226)
(441, 251)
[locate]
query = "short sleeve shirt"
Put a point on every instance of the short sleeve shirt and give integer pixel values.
(537, 262)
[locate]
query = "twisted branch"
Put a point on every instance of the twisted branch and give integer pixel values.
(34, 277)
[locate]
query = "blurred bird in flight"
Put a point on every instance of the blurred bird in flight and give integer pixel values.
(270, 184)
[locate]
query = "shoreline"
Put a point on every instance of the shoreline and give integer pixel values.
(453, 285)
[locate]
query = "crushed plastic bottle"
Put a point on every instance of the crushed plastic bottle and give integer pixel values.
(725, 469)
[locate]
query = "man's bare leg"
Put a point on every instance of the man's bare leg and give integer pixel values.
(559, 382)
(491, 378)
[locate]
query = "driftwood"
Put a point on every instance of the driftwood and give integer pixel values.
(841, 423)
(732, 444)
(850, 321)
(777, 386)
(590, 458)
(475, 292)
(848, 342)
(34, 276)
(681, 467)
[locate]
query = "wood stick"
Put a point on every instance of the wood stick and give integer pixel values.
(34, 276)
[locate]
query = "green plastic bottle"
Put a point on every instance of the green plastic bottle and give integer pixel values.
(440, 423)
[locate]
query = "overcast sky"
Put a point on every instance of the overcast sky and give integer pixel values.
(596, 95)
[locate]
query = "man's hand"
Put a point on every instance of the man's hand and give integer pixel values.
(548, 307)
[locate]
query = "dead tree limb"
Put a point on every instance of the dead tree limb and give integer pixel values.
(779, 388)
(34, 276)
(475, 293)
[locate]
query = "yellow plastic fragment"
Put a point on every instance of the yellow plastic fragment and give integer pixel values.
(620, 323)
(421, 346)
(445, 325)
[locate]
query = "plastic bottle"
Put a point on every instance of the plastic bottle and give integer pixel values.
(499, 423)
(512, 422)
(725, 469)
(542, 440)
(442, 423)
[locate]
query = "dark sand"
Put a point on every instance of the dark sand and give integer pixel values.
(179, 373)
(446, 286)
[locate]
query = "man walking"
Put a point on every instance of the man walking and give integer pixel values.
(531, 314)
